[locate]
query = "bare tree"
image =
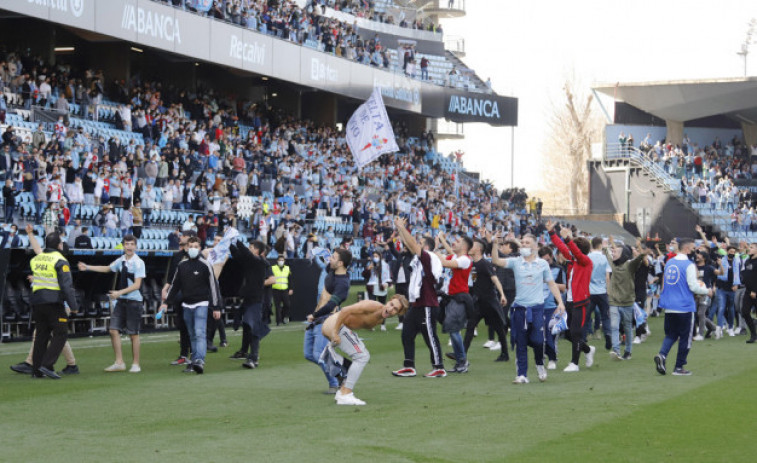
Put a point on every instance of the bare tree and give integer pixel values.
(573, 127)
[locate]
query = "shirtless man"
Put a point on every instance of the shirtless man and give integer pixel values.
(338, 328)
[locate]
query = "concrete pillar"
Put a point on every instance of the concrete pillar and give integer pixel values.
(675, 132)
(750, 133)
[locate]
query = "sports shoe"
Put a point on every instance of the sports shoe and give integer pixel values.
(520, 380)
(134, 368)
(49, 373)
(449, 343)
(542, 372)
(238, 356)
(180, 361)
(590, 357)
(224, 344)
(752, 339)
(572, 367)
(552, 365)
(681, 372)
(188, 369)
(659, 361)
(116, 367)
(503, 357)
(70, 370)
(338, 393)
(405, 372)
(450, 355)
(496, 346)
(383, 327)
(250, 364)
(348, 399)
(698, 337)
(737, 330)
(332, 390)
(212, 349)
(488, 344)
(644, 337)
(462, 367)
(22, 368)
(718, 332)
(637, 340)
(615, 356)
(626, 356)
(399, 327)
(436, 373)
(198, 366)
(731, 333)
(475, 332)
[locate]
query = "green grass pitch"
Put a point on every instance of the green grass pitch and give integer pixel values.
(614, 411)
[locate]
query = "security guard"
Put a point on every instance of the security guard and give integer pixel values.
(51, 285)
(281, 291)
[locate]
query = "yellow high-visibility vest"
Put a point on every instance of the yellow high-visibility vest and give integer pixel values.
(45, 274)
(282, 277)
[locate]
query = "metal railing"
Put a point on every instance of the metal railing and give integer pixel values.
(454, 43)
(616, 151)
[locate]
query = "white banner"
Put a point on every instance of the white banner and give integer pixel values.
(369, 131)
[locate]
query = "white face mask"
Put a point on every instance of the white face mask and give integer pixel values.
(525, 252)
(281, 263)
(193, 253)
(376, 260)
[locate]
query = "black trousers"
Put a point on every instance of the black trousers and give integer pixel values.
(505, 312)
(489, 310)
(211, 328)
(184, 343)
(51, 323)
(281, 301)
(421, 320)
(747, 304)
(577, 318)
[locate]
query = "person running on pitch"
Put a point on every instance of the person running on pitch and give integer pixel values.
(338, 328)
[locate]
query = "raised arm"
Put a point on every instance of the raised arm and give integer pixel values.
(32, 239)
(407, 239)
(94, 268)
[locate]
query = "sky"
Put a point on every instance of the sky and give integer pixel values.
(529, 48)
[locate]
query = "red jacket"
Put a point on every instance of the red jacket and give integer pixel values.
(579, 268)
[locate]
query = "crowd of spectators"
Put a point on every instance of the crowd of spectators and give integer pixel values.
(203, 151)
(307, 26)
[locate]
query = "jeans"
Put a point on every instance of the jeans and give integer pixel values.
(313, 346)
(458, 346)
(620, 314)
(725, 301)
(600, 301)
(527, 324)
(197, 320)
(9, 213)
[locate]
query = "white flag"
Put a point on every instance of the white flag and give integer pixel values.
(369, 131)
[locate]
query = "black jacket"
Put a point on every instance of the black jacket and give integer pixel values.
(195, 280)
(402, 259)
(254, 273)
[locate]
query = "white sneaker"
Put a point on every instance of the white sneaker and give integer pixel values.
(349, 399)
(737, 330)
(383, 327)
(542, 372)
(520, 380)
(552, 365)
(718, 332)
(489, 343)
(116, 367)
(135, 369)
(475, 332)
(571, 368)
(699, 337)
(590, 356)
(496, 346)
(338, 394)
(644, 337)
(615, 356)
(637, 340)
(399, 327)
(449, 343)
(731, 333)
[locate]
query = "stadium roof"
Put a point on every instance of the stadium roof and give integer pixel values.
(686, 100)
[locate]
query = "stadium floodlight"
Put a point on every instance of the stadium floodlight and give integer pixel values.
(64, 49)
(138, 50)
(750, 32)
